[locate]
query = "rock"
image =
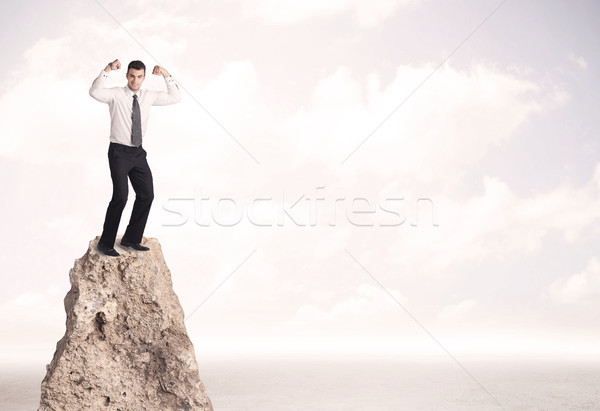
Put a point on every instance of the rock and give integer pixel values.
(126, 346)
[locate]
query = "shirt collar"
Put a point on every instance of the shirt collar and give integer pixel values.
(130, 93)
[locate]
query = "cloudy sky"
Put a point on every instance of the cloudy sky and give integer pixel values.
(340, 176)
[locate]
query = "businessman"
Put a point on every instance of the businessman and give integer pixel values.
(129, 108)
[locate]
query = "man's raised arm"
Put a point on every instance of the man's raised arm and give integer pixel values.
(98, 89)
(173, 94)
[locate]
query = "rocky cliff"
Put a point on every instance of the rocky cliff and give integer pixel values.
(126, 346)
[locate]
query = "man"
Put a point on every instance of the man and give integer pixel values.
(129, 109)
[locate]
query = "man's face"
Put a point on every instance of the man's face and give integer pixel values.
(135, 78)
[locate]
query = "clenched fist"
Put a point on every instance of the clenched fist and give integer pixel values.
(158, 70)
(115, 66)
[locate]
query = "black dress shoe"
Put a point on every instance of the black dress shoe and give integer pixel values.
(135, 246)
(106, 250)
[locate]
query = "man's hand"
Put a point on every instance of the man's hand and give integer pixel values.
(158, 70)
(115, 66)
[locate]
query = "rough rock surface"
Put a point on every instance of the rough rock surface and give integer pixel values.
(126, 346)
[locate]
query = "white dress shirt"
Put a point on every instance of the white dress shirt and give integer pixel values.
(120, 105)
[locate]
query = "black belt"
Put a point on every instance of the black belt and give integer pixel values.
(123, 147)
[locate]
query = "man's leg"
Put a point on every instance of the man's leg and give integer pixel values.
(141, 180)
(119, 167)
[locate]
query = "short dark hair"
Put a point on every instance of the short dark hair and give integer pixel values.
(137, 65)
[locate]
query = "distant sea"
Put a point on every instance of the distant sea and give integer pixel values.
(281, 384)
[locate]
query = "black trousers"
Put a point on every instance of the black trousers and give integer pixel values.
(124, 162)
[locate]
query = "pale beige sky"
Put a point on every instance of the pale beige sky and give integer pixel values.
(288, 104)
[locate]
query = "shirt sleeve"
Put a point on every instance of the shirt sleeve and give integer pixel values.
(99, 91)
(172, 96)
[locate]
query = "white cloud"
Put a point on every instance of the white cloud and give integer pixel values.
(286, 12)
(579, 60)
(32, 314)
(497, 224)
(472, 110)
(368, 309)
(457, 313)
(450, 123)
(583, 287)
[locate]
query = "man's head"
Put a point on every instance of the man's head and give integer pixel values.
(136, 72)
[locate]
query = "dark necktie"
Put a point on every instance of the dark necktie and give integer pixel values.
(136, 123)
